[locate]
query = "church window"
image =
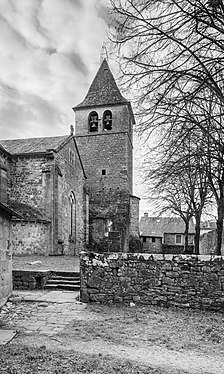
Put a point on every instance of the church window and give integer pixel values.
(93, 122)
(107, 120)
(71, 157)
(72, 206)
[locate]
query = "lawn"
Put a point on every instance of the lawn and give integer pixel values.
(122, 339)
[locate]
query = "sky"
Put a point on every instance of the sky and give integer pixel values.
(49, 55)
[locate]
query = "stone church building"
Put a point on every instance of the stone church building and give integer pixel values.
(74, 192)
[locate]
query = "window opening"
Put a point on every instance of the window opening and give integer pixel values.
(72, 214)
(93, 122)
(107, 120)
(103, 172)
(72, 157)
(153, 239)
(144, 239)
(178, 239)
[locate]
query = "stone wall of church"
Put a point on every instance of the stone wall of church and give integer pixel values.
(46, 183)
(4, 177)
(120, 119)
(72, 180)
(105, 160)
(27, 180)
(30, 238)
(109, 220)
(134, 216)
(5, 257)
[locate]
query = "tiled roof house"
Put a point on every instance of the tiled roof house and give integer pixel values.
(164, 234)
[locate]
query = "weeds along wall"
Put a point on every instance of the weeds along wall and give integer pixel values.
(166, 280)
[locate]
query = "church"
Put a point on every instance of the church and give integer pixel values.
(66, 194)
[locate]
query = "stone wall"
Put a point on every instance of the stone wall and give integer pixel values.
(106, 153)
(167, 280)
(134, 215)
(5, 182)
(46, 182)
(72, 180)
(109, 220)
(30, 279)
(30, 238)
(108, 163)
(27, 178)
(5, 257)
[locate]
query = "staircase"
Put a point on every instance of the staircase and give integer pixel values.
(63, 280)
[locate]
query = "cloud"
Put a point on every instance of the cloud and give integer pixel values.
(49, 52)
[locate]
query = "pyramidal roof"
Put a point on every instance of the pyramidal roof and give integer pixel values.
(103, 90)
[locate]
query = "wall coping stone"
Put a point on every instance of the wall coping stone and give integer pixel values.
(101, 258)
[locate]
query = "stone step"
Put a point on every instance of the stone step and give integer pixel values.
(62, 287)
(55, 277)
(63, 281)
(65, 273)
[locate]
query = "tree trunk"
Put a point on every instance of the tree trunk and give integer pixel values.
(186, 236)
(197, 233)
(219, 229)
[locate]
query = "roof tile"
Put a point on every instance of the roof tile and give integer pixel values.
(33, 145)
(157, 226)
(103, 90)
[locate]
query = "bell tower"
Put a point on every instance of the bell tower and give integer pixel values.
(104, 133)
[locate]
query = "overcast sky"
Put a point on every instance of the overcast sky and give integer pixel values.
(49, 55)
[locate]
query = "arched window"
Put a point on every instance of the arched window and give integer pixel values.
(72, 214)
(93, 122)
(107, 120)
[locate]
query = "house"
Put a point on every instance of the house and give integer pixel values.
(74, 191)
(164, 234)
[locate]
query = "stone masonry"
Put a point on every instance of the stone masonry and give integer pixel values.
(107, 157)
(46, 185)
(5, 257)
(166, 280)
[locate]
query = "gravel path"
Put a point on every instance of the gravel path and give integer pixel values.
(59, 263)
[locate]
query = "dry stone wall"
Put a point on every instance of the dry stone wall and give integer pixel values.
(30, 279)
(166, 280)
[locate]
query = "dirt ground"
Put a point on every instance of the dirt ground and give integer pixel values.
(123, 339)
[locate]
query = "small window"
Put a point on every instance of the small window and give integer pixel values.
(93, 122)
(107, 120)
(71, 157)
(153, 239)
(144, 239)
(104, 172)
(178, 239)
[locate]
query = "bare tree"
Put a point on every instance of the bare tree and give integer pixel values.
(172, 53)
(180, 180)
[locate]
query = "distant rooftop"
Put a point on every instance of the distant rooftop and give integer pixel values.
(157, 226)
